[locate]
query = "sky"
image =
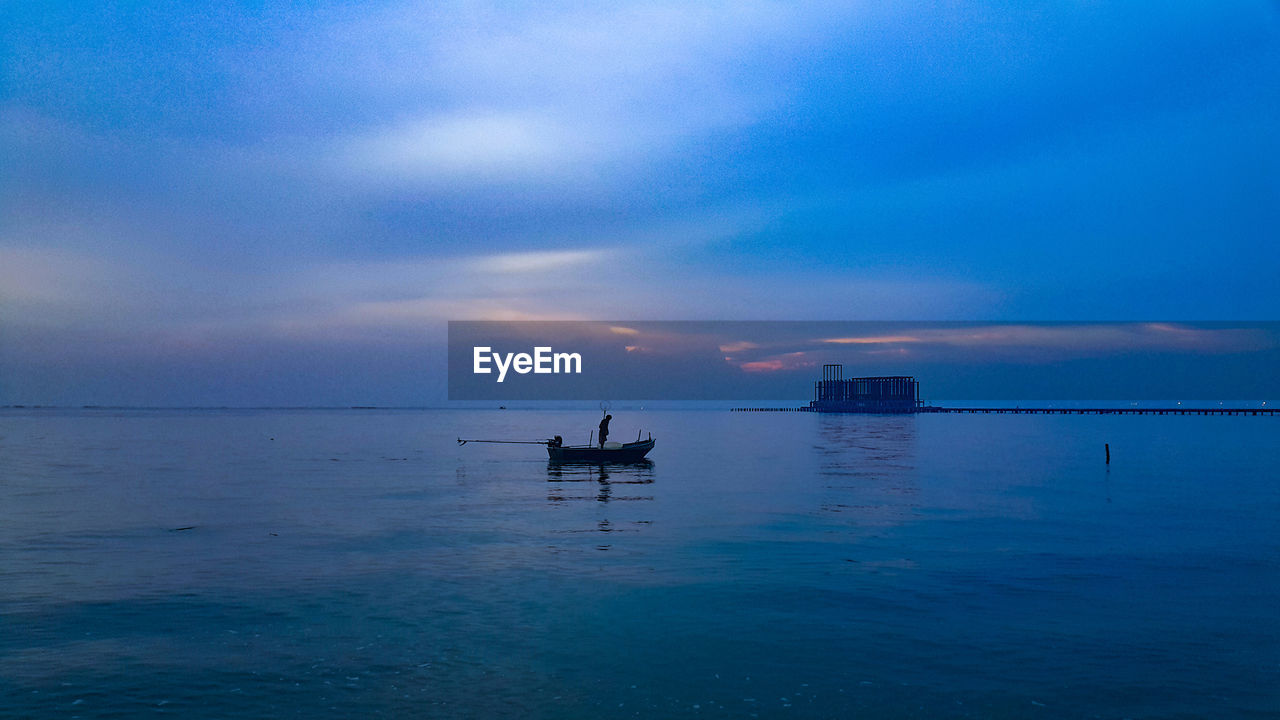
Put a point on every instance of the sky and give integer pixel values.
(270, 204)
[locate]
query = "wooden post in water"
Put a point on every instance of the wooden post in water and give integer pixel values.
(1108, 448)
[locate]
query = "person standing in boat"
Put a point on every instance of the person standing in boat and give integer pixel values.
(604, 429)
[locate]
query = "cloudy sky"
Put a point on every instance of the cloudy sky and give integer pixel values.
(219, 203)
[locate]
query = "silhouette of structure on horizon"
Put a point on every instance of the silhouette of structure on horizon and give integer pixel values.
(900, 394)
(889, 394)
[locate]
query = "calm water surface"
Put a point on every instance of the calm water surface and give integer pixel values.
(359, 564)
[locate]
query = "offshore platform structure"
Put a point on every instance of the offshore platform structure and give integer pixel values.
(891, 394)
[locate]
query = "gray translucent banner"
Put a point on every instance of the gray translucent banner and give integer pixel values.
(766, 360)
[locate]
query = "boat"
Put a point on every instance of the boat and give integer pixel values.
(609, 452)
(612, 452)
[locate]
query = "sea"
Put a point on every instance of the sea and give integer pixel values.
(359, 563)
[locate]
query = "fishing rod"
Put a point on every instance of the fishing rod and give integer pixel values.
(505, 442)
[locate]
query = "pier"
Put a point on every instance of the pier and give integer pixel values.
(1101, 411)
(1048, 410)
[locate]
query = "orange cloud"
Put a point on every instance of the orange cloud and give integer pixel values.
(873, 340)
(789, 361)
(762, 366)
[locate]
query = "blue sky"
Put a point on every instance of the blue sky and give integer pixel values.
(246, 204)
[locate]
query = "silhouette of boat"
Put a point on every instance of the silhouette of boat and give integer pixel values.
(558, 452)
(612, 452)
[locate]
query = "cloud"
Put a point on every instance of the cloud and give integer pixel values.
(1077, 339)
(873, 340)
(472, 145)
(779, 363)
(538, 262)
(399, 300)
(158, 297)
(547, 92)
(73, 290)
(54, 276)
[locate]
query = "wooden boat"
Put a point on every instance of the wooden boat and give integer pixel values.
(558, 452)
(612, 452)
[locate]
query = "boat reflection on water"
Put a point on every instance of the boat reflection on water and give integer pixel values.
(603, 484)
(605, 477)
